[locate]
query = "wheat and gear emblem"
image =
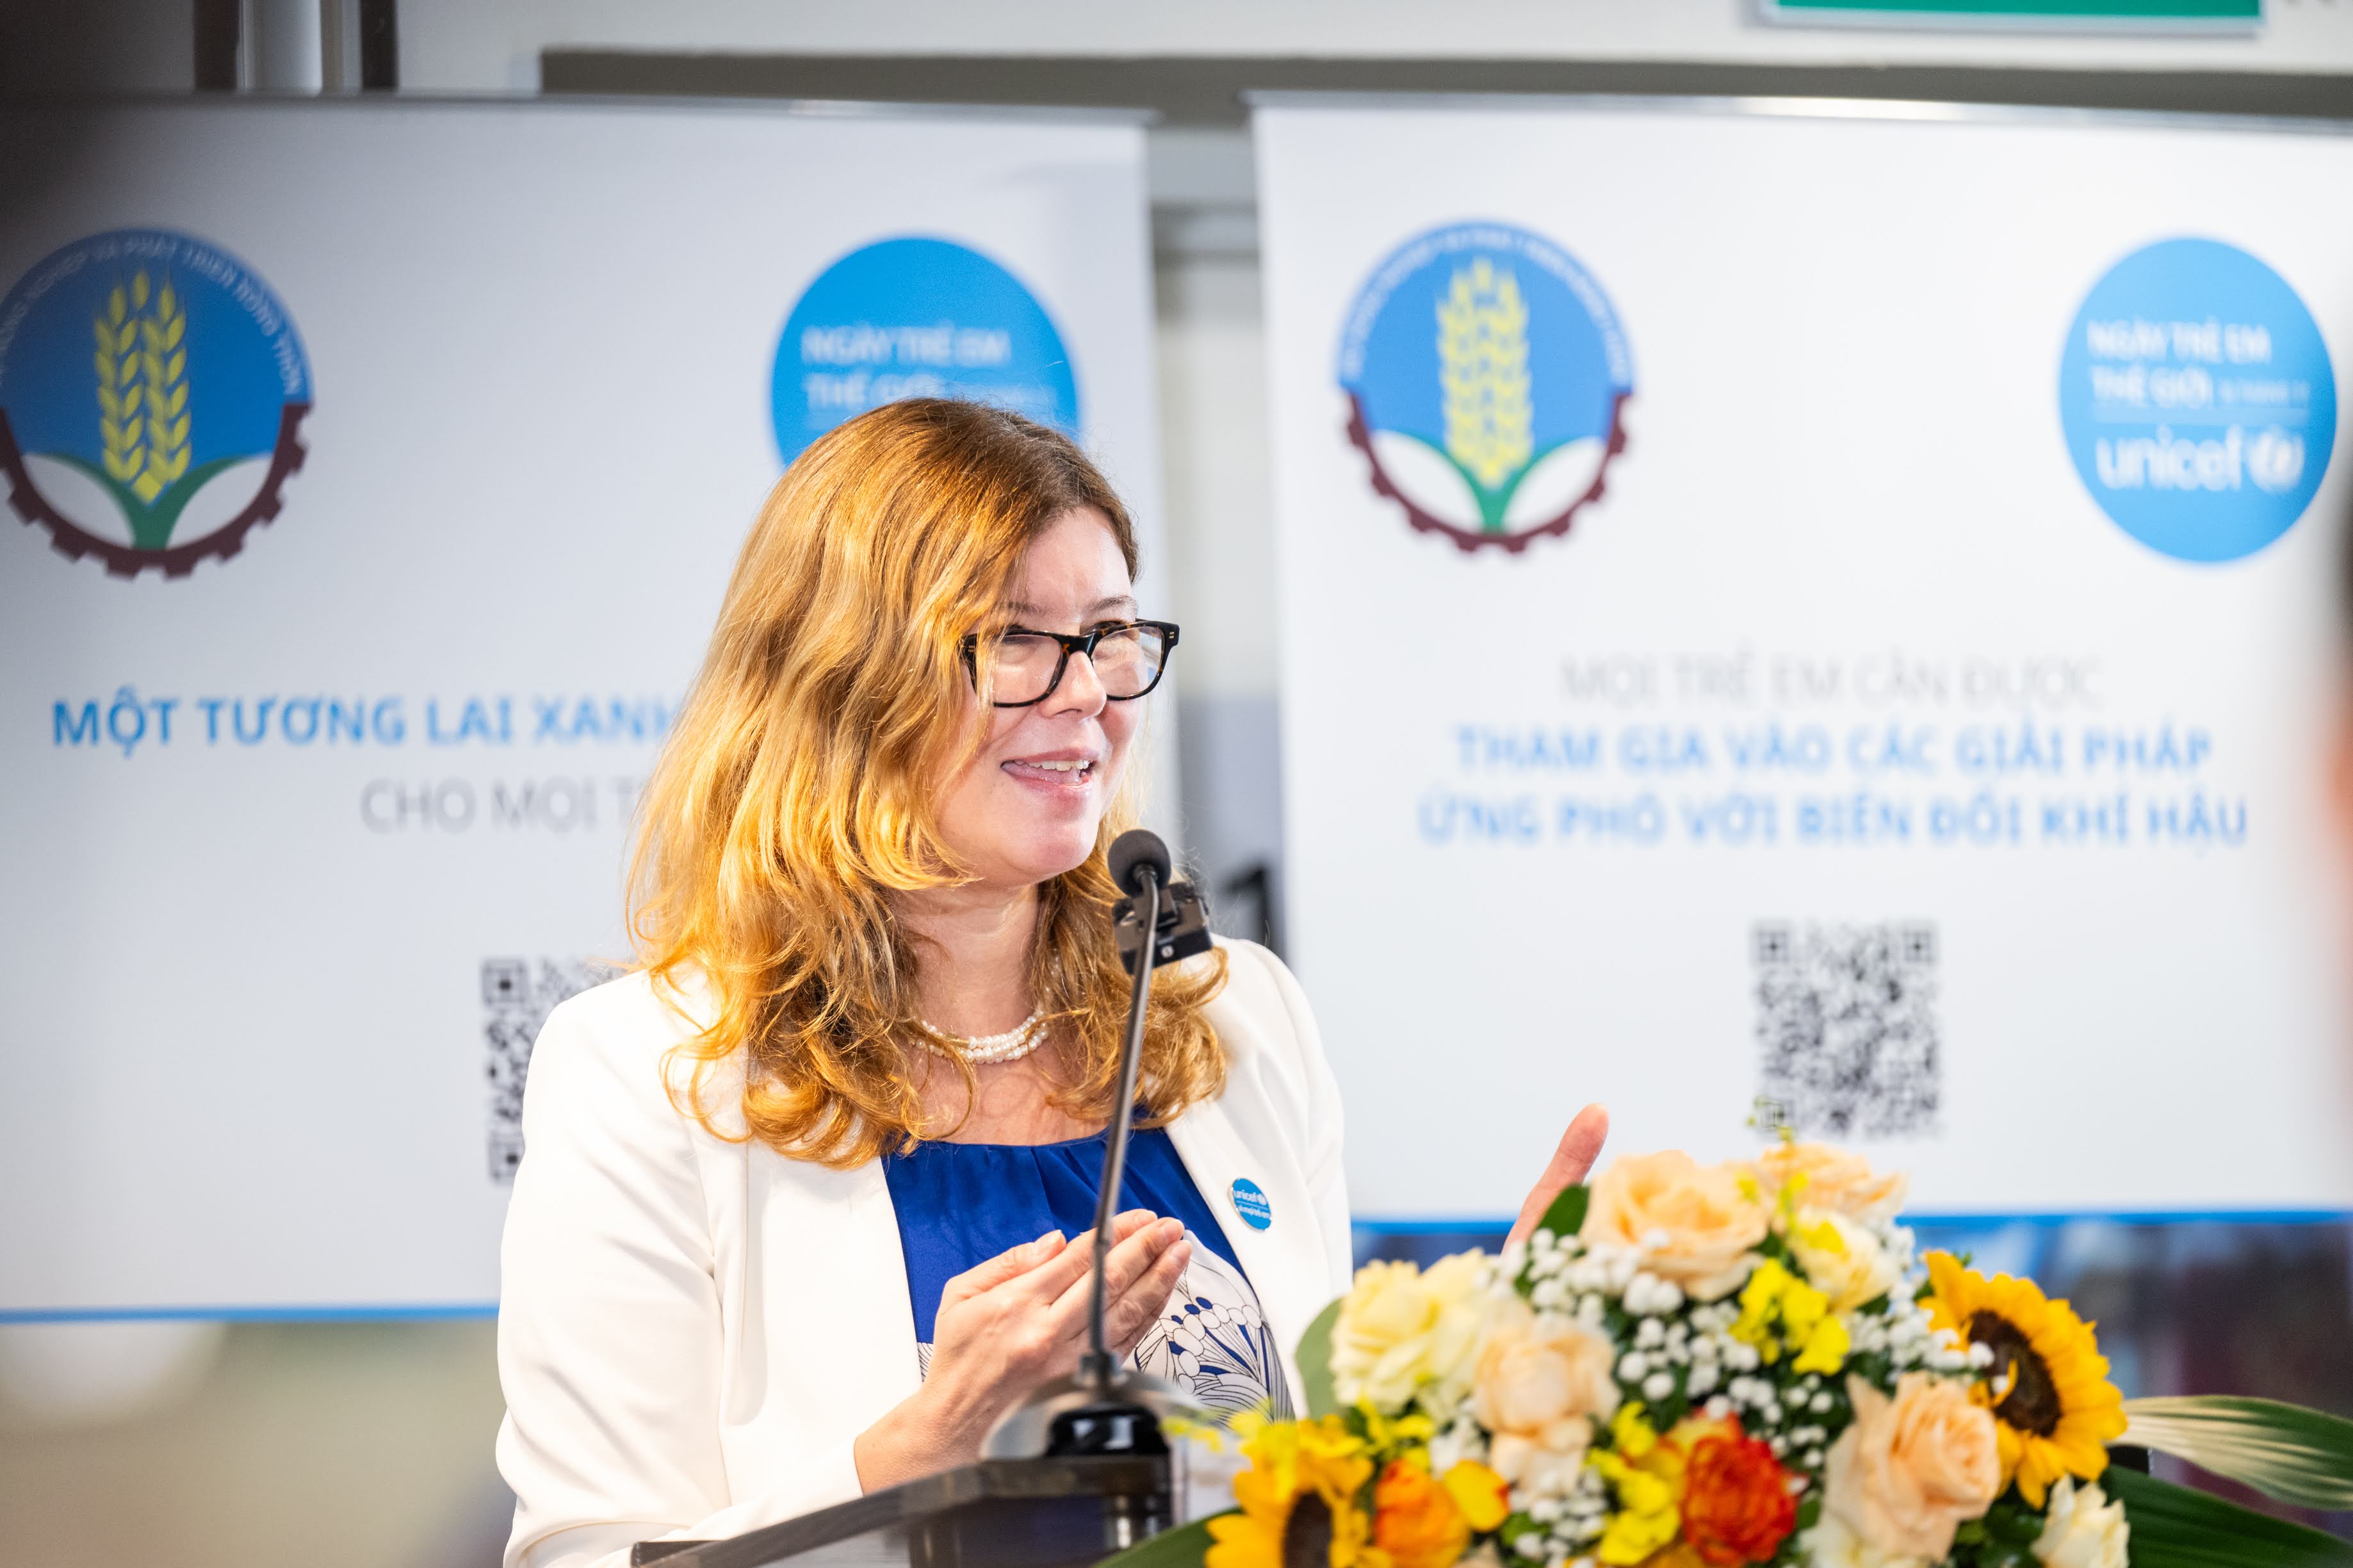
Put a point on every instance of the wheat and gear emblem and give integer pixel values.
(1491, 458)
(144, 416)
(147, 368)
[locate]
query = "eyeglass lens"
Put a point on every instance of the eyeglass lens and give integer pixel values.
(1128, 660)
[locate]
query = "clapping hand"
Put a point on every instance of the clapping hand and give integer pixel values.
(1012, 1323)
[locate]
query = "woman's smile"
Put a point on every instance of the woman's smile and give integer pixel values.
(1068, 774)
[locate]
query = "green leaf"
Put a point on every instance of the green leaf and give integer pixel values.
(1566, 1215)
(2175, 1527)
(2012, 1523)
(1183, 1547)
(2284, 1451)
(1315, 1363)
(151, 526)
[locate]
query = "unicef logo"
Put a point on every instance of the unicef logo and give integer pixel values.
(2275, 459)
(151, 389)
(916, 318)
(2198, 400)
(1487, 379)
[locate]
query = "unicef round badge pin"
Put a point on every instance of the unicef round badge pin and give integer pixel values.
(1250, 1201)
(1487, 378)
(153, 389)
(2198, 400)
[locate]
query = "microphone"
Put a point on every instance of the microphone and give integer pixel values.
(1104, 1410)
(1134, 856)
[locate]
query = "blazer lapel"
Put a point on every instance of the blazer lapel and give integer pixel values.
(1285, 1261)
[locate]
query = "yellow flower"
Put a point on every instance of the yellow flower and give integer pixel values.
(2055, 1409)
(1648, 1476)
(1304, 1477)
(1387, 1435)
(1404, 1331)
(1779, 1311)
(1485, 1496)
(1647, 1517)
(1825, 1348)
(1842, 1256)
(1631, 1434)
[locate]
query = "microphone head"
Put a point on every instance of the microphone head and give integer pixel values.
(1131, 853)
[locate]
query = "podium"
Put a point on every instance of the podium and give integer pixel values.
(998, 1513)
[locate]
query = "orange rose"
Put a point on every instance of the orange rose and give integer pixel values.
(1415, 1519)
(1693, 1222)
(1832, 1179)
(1736, 1503)
(1911, 1469)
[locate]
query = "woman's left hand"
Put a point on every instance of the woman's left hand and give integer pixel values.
(1571, 1162)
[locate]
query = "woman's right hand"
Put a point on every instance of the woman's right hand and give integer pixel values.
(1012, 1323)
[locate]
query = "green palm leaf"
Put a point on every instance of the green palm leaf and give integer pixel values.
(1315, 1395)
(2175, 1527)
(2284, 1451)
(1183, 1547)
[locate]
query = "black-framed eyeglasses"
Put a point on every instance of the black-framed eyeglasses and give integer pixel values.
(1025, 666)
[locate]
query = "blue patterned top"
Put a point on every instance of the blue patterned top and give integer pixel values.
(960, 1204)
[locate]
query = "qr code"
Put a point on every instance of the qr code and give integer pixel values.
(1846, 1028)
(518, 994)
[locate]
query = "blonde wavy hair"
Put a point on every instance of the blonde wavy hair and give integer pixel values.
(793, 800)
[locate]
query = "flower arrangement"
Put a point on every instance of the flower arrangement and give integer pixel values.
(1694, 1366)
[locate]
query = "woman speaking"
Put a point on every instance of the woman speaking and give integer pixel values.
(800, 1211)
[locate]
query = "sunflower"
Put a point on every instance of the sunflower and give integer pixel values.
(2055, 1409)
(1302, 1488)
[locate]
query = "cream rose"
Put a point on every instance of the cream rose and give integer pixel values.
(1693, 1222)
(1540, 1384)
(2083, 1528)
(1403, 1331)
(1841, 1259)
(1830, 1544)
(1834, 1180)
(1911, 1469)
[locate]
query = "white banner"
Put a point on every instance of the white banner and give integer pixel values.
(1826, 611)
(380, 468)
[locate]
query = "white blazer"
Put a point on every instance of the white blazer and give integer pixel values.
(693, 1331)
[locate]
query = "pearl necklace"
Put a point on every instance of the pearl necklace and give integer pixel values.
(985, 1050)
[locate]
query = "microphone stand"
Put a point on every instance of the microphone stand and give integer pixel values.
(1103, 1411)
(1098, 1364)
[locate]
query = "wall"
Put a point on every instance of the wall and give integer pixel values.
(488, 44)
(493, 46)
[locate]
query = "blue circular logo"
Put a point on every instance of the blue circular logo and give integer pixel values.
(151, 391)
(916, 318)
(2197, 399)
(1486, 376)
(1250, 1201)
